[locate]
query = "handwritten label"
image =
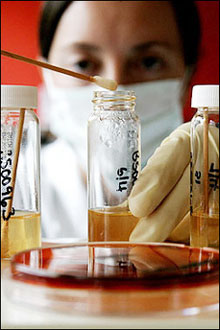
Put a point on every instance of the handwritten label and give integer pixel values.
(135, 166)
(5, 184)
(213, 175)
(123, 177)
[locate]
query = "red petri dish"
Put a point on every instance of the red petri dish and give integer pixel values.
(118, 278)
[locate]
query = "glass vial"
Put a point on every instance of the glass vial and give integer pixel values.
(113, 165)
(204, 190)
(20, 170)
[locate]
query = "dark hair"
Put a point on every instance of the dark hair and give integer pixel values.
(50, 17)
(186, 13)
(188, 22)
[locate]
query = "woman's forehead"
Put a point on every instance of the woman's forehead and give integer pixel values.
(117, 24)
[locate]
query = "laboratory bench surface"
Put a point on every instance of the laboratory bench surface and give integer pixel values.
(18, 316)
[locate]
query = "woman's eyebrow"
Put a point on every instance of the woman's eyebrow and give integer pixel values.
(150, 44)
(86, 47)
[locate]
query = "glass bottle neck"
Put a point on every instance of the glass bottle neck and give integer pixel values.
(202, 110)
(114, 101)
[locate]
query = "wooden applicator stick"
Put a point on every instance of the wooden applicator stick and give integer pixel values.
(205, 163)
(15, 160)
(102, 82)
(5, 249)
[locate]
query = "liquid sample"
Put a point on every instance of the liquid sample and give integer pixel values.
(21, 232)
(113, 224)
(204, 230)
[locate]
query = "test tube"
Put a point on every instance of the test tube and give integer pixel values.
(113, 165)
(204, 187)
(20, 170)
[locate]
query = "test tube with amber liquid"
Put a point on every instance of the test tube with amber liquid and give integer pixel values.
(20, 170)
(204, 187)
(113, 165)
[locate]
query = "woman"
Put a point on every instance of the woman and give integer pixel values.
(150, 47)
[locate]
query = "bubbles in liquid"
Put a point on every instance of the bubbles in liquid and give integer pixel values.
(116, 132)
(108, 143)
(131, 144)
(111, 133)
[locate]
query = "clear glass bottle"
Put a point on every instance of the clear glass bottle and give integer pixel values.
(20, 170)
(204, 190)
(113, 165)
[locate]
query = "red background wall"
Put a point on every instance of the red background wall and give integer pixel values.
(19, 24)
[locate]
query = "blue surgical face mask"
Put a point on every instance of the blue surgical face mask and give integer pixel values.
(157, 106)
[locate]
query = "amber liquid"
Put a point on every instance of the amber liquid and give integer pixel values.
(204, 230)
(113, 224)
(22, 231)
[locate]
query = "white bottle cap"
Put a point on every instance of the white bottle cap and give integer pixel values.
(205, 96)
(14, 96)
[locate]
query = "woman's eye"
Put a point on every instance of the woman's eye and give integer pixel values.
(151, 63)
(147, 67)
(85, 66)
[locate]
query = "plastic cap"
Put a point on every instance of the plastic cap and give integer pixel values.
(13, 96)
(205, 96)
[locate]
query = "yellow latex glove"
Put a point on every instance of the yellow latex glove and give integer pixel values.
(161, 195)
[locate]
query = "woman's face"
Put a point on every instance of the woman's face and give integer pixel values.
(128, 41)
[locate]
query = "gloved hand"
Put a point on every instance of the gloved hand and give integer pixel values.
(161, 195)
